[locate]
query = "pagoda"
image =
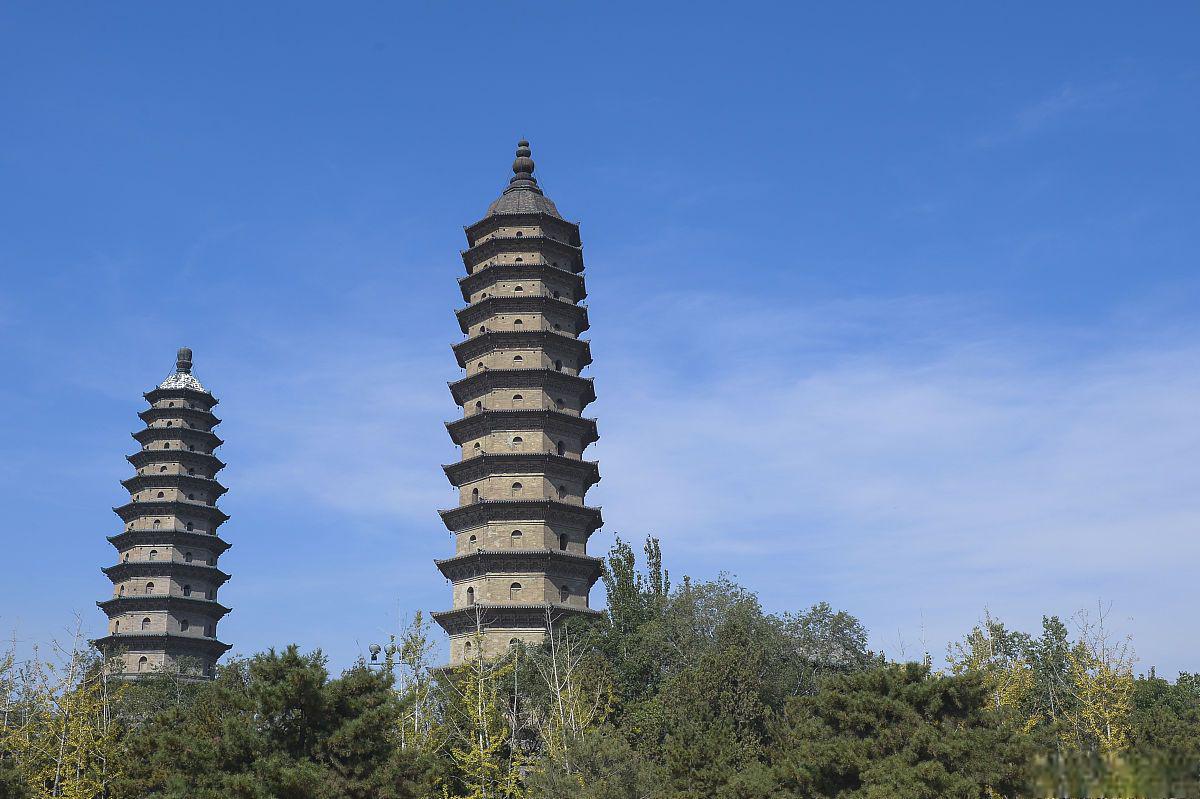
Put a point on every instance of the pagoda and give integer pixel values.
(521, 528)
(163, 613)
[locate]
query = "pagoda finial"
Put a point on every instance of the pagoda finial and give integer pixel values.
(183, 360)
(523, 166)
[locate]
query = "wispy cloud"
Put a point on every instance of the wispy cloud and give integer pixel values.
(1066, 101)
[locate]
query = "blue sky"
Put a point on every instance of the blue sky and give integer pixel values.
(892, 307)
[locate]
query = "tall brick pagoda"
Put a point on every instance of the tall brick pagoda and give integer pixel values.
(164, 612)
(521, 526)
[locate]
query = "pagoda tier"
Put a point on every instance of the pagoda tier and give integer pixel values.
(163, 613)
(522, 525)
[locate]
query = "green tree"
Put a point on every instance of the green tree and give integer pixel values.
(898, 732)
(277, 726)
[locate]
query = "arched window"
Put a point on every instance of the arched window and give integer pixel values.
(517, 399)
(478, 448)
(519, 234)
(517, 441)
(518, 288)
(117, 626)
(472, 540)
(518, 323)
(562, 448)
(516, 539)
(562, 491)
(467, 648)
(157, 522)
(558, 403)
(514, 591)
(478, 406)
(518, 359)
(519, 259)
(170, 423)
(126, 557)
(187, 590)
(162, 468)
(474, 494)
(149, 588)
(121, 589)
(512, 642)
(564, 593)
(145, 625)
(187, 557)
(558, 365)
(161, 495)
(184, 625)
(471, 595)
(143, 663)
(562, 541)
(516, 489)
(170, 405)
(482, 329)
(189, 525)
(167, 445)
(154, 554)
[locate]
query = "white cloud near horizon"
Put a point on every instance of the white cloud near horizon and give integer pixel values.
(915, 459)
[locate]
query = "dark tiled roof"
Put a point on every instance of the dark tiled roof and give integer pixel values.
(523, 195)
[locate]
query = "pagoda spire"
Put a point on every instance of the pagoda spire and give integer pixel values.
(522, 525)
(163, 613)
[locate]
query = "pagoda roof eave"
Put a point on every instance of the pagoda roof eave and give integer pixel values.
(502, 463)
(522, 378)
(512, 419)
(144, 457)
(465, 351)
(510, 217)
(169, 537)
(470, 314)
(157, 412)
(114, 641)
(531, 270)
(160, 601)
(552, 510)
(134, 510)
(158, 392)
(166, 480)
(498, 245)
(459, 621)
(148, 434)
(152, 568)
(587, 566)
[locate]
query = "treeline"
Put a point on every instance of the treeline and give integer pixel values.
(684, 692)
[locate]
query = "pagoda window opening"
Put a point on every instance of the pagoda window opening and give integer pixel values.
(558, 366)
(518, 323)
(167, 445)
(474, 494)
(519, 259)
(187, 557)
(482, 329)
(517, 441)
(478, 447)
(189, 525)
(564, 593)
(187, 590)
(555, 294)
(149, 588)
(211, 594)
(478, 405)
(161, 495)
(145, 626)
(517, 359)
(470, 598)
(467, 648)
(472, 541)
(516, 489)
(170, 405)
(562, 491)
(184, 624)
(191, 448)
(512, 642)
(514, 591)
(157, 522)
(191, 471)
(516, 539)
(517, 399)
(154, 554)
(162, 468)
(117, 626)
(121, 589)
(518, 288)
(558, 403)
(169, 424)
(143, 662)
(520, 234)
(209, 631)
(562, 448)
(562, 542)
